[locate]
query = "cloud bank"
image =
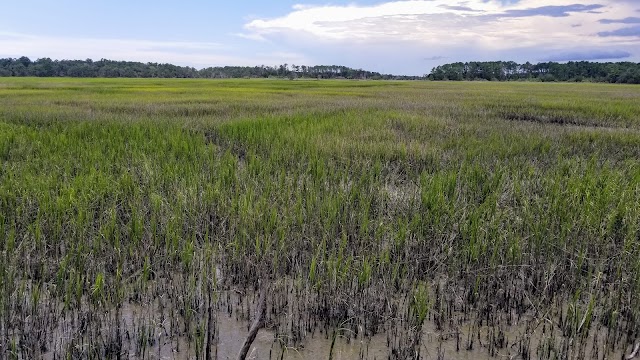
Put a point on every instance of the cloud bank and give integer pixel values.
(633, 31)
(459, 30)
(592, 55)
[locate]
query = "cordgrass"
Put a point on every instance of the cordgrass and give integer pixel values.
(378, 205)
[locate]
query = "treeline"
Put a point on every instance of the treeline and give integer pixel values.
(299, 71)
(46, 67)
(621, 72)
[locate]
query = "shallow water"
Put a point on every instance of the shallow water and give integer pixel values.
(435, 345)
(166, 339)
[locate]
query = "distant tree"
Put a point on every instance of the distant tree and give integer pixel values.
(18, 69)
(548, 78)
(25, 61)
(44, 67)
(630, 76)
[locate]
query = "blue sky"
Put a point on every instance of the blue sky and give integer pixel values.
(401, 37)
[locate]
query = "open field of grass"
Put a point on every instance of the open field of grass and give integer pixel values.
(502, 218)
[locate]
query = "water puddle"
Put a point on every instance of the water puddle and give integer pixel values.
(159, 331)
(467, 343)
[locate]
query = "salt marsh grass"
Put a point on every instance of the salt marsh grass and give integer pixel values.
(137, 215)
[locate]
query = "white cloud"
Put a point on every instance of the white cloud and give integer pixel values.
(198, 54)
(443, 27)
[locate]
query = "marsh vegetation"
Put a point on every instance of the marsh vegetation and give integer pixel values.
(432, 220)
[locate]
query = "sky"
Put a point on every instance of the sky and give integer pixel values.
(398, 37)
